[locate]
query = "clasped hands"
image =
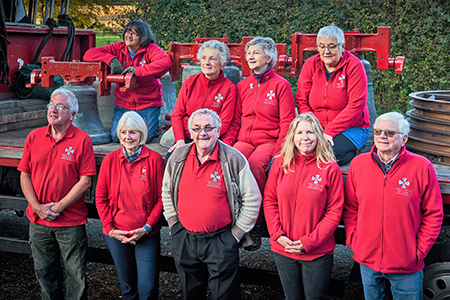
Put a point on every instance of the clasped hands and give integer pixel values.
(45, 212)
(123, 236)
(294, 247)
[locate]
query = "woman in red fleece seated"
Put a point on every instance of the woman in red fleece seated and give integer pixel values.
(333, 86)
(137, 54)
(303, 204)
(209, 89)
(264, 109)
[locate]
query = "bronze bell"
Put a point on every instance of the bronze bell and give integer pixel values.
(88, 118)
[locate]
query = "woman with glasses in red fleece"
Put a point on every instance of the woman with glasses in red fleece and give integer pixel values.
(137, 54)
(333, 87)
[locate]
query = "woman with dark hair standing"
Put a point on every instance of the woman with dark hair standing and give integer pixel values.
(137, 54)
(303, 204)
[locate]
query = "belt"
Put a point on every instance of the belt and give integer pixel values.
(207, 235)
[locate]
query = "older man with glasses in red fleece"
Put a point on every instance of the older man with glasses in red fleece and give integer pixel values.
(392, 212)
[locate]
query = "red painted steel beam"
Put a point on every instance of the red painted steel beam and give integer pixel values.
(77, 72)
(355, 42)
(178, 52)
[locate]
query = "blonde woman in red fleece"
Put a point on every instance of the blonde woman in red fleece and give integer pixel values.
(303, 204)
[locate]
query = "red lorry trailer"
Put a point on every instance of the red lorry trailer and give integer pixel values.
(19, 117)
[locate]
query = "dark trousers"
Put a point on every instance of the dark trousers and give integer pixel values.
(305, 279)
(137, 266)
(343, 149)
(206, 259)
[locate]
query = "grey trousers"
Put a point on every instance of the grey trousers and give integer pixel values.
(49, 245)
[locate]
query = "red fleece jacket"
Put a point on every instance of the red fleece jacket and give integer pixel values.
(263, 111)
(392, 220)
(304, 205)
(339, 103)
(128, 196)
(197, 92)
(150, 62)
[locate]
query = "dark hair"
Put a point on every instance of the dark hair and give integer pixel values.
(146, 35)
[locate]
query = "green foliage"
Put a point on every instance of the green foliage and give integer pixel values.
(84, 13)
(420, 32)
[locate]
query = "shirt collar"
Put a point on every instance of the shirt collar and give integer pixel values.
(386, 167)
(67, 135)
(260, 76)
(214, 155)
(131, 158)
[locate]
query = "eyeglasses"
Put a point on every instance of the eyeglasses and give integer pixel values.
(131, 33)
(58, 106)
(199, 129)
(330, 47)
(388, 133)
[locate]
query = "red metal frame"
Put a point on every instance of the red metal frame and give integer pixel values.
(77, 72)
(25, 40)
(355, 42)
(180, 51)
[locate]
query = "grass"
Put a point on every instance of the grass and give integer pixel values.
(102, 40)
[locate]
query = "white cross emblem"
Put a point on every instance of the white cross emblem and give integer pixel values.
(316, 179)
(69, 150)
(403, 182)
(218, 98)
(215, 176)
(270, 94)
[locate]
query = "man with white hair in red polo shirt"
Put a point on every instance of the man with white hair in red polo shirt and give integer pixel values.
(56, 169)
(211, 201)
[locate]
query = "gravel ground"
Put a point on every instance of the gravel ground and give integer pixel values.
(17, 279)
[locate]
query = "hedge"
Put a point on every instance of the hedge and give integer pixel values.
(420, 32)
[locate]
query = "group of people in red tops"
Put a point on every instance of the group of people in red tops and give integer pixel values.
(241, 158)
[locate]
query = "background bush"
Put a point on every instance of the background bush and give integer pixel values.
(420, 32)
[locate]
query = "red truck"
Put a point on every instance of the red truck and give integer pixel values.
(19, 117)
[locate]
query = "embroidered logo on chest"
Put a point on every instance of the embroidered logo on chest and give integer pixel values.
(144, 174)
(403, 189)
(315, 184)
(68, 155)
(341, 82)
(142, 62)
(215, 181)
(217, 101)
(270, 98)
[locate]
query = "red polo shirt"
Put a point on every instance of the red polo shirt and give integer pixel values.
(55, 167)
(202, 195)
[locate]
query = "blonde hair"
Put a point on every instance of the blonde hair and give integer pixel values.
(324, 152)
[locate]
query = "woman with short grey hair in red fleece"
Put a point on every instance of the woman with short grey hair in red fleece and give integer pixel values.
(264, 109)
